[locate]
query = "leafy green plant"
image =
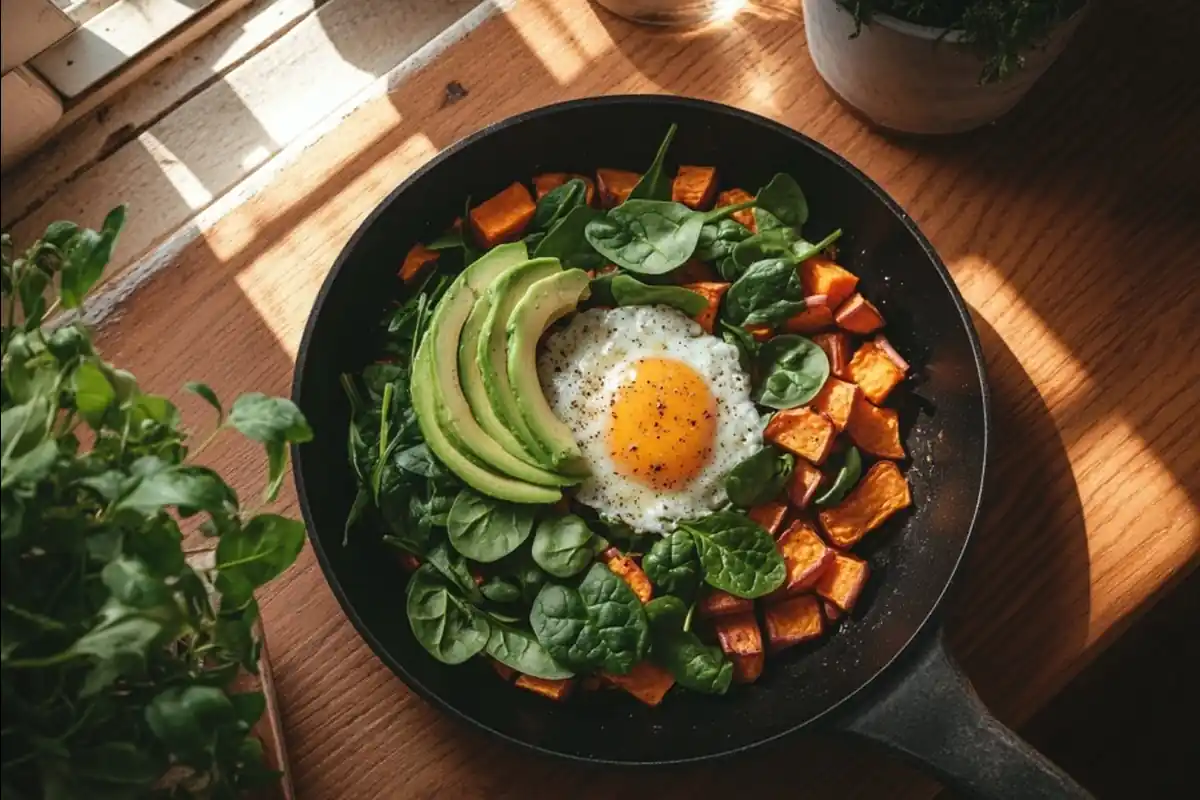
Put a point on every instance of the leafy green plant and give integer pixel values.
(999, 31)
(652, 237)
(520, 650)
(767, 293)
(655, 184)
(447, 626)
(600, 625)
(563, 546)
(695, 665)
(784, 200)
(568, 242)
(627, 291)
(736, 554)
(793, 368)
(484, 529)
(118, 651)
(760, 478)
(847, 475)
(553, 207)
(673, 566)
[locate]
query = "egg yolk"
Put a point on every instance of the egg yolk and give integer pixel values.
(661, 425)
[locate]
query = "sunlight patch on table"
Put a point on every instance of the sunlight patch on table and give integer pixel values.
(546, 37)
(186, 183)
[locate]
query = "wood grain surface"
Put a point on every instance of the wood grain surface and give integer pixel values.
(1071, 227)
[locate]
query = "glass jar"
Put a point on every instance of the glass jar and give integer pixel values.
(673, 12)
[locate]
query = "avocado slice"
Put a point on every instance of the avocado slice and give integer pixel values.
(544, 302)
(445, 328)
(472, 378)
(484, 480)
(492, 355)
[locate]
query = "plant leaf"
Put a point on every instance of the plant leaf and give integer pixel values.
(628, 291)
(673, 566)
(520, 650)
(737, 555)
(449, 629)
(562, 546)
(205, 392)
(793, 370)
(767, 293)
(847, 475)
(783, 198)
(654, 183)
(486, 530)
(760, 478)
(695, 665)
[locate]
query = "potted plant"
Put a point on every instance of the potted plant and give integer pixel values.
(936, 66)
(120, 656)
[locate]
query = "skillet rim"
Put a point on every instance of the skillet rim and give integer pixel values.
(706, 106)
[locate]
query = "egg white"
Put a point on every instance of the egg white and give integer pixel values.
(581, 367)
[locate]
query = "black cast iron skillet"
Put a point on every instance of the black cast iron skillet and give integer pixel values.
(885, 675)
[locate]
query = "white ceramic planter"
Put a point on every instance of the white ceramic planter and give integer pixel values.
(915, 79)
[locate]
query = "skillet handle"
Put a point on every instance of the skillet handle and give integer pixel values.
(932, 715)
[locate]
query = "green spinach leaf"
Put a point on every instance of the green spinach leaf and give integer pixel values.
(718, 239)
(499, 590)
(655, 184)
(848, 473)
(562, 546)
(486, 530)
(783, 199)
(802, 250)
(520, 650)
(448, 627)
(673, 566)
(555, 204)
(793, 368)
(652, 237)
(627, 291)
(760, 478)
(567, 240)
(600, 625)
(766, 294)
(736, 554)
(746, 344)
(774, 243)
(695, 665)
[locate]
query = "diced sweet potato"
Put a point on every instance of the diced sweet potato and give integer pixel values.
(718, 603)
(807, 433)
(761, 333)
(731, 197)
(810, 320)
(647, 682)
(741, 640)
(695, 271)
(857, 315)
(628, 570)
(769, 516)
(505, 672)
(837, 347)
(882, 492)
(502, 217)
(803, 483)
(554, 689)
(819, 275)
(552, 180)
(874, 371)
(615, 185)
(806, 556)
(836, 401)
(832, 612)
(415, 262)
(712, 292)
(792, 621)
(695, 187)
(875, 430)
(843, 582)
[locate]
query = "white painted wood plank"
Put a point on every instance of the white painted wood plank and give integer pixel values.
(211, 143)
(28, 108)
(27, 27)
(97, 134)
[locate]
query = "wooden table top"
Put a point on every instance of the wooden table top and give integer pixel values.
(1072, 228)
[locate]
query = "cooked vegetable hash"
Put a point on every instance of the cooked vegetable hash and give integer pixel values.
(625, 432)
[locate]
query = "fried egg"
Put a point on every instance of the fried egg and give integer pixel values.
(660, 409)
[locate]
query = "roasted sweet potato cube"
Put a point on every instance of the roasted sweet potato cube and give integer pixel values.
(628, 570)
(832, 612)
(819, 275)
(505, 672)
(718, 603)
(837, 348)
(857, 315)
(695, 271)
(874, 371)
(731, 197)
(882, 492)
(552, 180)
(761, 333)
(647, 682)
(843, 582)
(712, 292)
(836, 401)
(792, 621)
(807, 433)
(502, 217)
(806, 556)
(803, 483)
(615, 185)
(810, 320)
(554, 689)
(875, 430)
(769, 516)
(415, 262)
(741, 640)
(695, 187)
